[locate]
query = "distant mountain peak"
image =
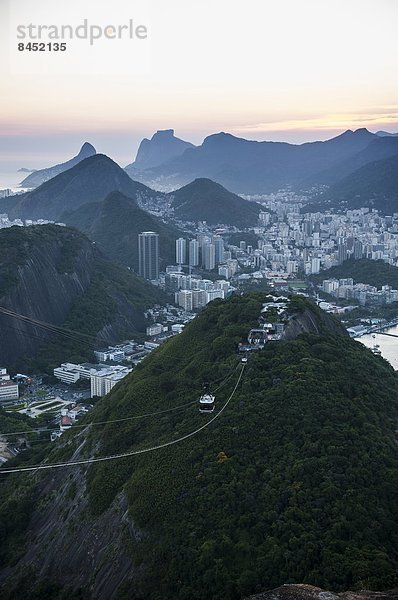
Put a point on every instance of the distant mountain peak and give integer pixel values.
(90, 180)
(219, 137)
(36, 178)
(163, 133)
(87, 150)
(207, 200)
(362, 131)
(386, 134)
(162, 147)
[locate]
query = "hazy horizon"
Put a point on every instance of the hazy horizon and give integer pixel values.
(268, 70)
(122, 148)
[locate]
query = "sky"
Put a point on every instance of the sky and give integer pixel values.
(289, 70)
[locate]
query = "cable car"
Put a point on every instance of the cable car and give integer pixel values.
(206, 403)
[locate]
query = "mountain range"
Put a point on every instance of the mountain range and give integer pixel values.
(251, 167)
(91, 180)
(39, 176)
(244, 166)
(83, 188)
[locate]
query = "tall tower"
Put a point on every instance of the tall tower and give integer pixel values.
(148, 254)
(341, 252)
(193, 253)
(181, 251)
(209, 256)
(219, 248)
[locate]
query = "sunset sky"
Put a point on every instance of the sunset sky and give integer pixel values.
(291, 70)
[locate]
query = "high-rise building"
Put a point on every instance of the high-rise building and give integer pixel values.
(341, 252)
(193, 253)
(209, 256)
(184, 298)
(358, 249)
(219, 249)
(291, 266)
(181, 251)
(315, 265)
(148, 254)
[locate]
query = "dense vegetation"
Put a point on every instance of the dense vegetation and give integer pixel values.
(374, 185)
(107, 303)
(296, 481)
(115, 298)
(289, 486)
(373, 272)
(17, 245)
(242, 236)
(115, 224)
(205, 200)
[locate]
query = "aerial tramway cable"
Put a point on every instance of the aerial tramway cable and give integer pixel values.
(51, 328)
(134, 417)
(133, 452)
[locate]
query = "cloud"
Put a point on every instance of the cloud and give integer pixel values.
(328, 122)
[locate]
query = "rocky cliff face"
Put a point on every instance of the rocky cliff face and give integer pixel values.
(312, 321)
(162, 146)
(42, 285)
(101, 541)
(45, 271)
(309, 592)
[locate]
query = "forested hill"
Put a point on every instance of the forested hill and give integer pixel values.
(364, 270)
(114, 224)
(58, 276)
(294, 481)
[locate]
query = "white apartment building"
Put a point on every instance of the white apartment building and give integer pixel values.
(113, 354)
(184, 298)
(154, 329)
(103, 381)
(8, 390)
(70, 373)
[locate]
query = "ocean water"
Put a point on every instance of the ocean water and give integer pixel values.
(388, 345)
(11, 179)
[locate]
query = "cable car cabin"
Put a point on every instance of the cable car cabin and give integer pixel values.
(257, 337)
(206, 403)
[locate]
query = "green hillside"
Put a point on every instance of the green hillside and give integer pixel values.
(205, 200)
(115, 224)
(58, 276)
(373, 272)
(114, 302)
(294, 482)
(90, 180)
(374, 185)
